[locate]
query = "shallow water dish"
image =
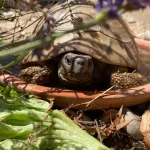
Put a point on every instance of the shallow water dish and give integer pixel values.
(80, 99)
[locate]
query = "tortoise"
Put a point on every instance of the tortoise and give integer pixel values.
(84, 57)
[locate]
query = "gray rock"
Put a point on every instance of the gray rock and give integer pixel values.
(133, 128)
(144, 35)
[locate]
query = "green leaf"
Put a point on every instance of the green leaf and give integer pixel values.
(26, 124)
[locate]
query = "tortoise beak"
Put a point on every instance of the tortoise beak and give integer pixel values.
(75, 68)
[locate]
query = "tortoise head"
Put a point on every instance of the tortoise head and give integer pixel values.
(75, 68)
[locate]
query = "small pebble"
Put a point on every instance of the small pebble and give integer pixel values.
(145, 35)
(133, 128)
(9, 14)
(131, 20)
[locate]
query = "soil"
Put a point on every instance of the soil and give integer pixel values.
(120, 142)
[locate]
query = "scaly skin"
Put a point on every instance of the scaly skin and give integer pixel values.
(127, 80)
(80, 69)
(37, 74)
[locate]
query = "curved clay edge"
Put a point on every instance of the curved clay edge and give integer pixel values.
(142, 44)
(65, 98)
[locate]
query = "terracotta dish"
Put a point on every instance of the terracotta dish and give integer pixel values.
(85, 99)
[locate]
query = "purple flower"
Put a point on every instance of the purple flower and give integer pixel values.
(46, 28)
(112, 6)
(50, 17)
(24, 6)
(50, 20)
(115, 6)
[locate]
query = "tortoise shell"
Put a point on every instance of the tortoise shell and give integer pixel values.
(110, 43)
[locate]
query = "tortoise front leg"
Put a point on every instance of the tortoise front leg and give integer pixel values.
(127, 80)
(38, 74)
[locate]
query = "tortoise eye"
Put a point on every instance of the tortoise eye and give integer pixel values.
(68, 60)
